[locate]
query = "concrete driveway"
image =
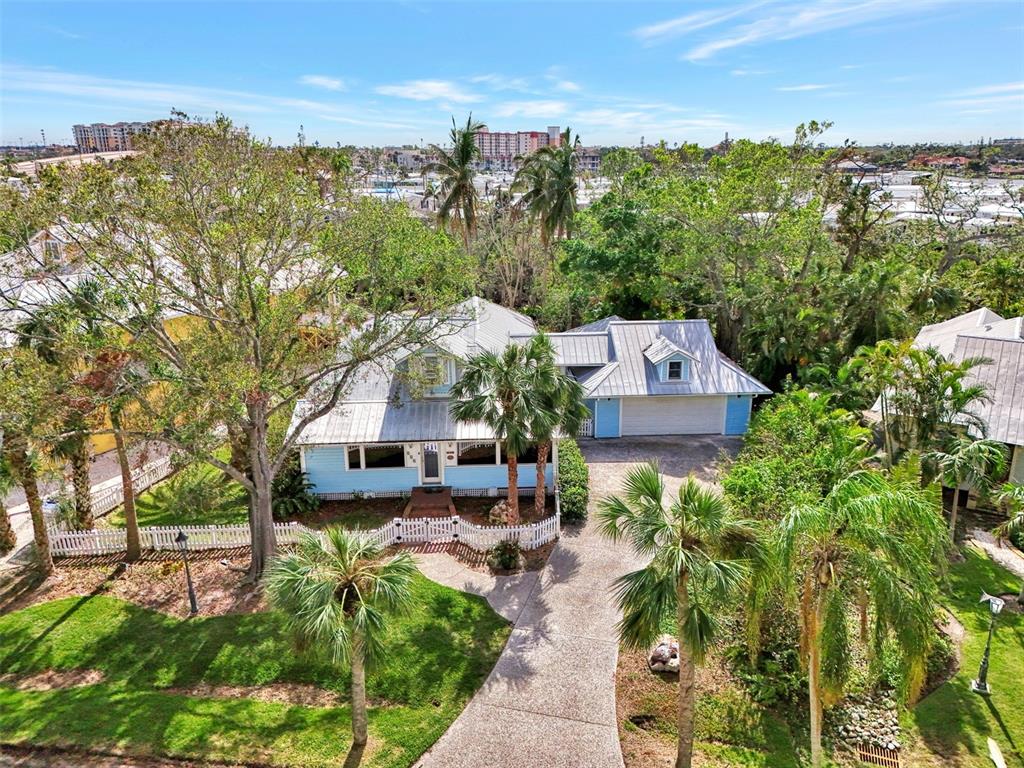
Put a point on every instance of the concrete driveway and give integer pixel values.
(549, 702)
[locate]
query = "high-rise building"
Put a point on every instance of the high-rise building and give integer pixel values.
(499, 149)
(106, 137)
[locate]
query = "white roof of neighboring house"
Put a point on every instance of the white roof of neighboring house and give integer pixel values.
(1003, 379)
(980, 322)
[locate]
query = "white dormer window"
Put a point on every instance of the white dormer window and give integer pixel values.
(435, 371)
(675, 370)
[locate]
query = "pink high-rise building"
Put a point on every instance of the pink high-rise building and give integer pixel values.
(499, 149)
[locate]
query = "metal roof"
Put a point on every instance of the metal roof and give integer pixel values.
(597, 325)
(1003, 379)
(631, 373)
(576, 349)
(381, 421)
(662, 349)
(980, 322)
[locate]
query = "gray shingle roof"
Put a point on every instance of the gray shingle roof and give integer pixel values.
(1003, 378)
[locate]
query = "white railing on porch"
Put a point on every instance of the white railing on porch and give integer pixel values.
(428, 530)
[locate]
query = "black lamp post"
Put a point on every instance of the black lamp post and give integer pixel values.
(182, 541)
(980, 685)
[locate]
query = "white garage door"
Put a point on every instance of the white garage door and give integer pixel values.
(672, 415)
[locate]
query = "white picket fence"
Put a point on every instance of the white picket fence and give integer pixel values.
(110, 494)
(427, 530)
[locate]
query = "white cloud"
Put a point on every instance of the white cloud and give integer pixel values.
(989, 97)
(538, 108)
(804, 87)
(502, 82)
(323, 81)
(749, 72)
(568, 86)
(428, 90)
(983, 90)
(691, 22)
(765, 22)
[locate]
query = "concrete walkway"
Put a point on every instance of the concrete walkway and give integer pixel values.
(549, 702)
(1003, 553)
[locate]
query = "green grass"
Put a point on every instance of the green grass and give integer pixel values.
(438, 655)
(953, 722)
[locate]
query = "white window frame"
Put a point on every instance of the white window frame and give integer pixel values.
(668, 370)
(432, 360)
(362, 458)
(497, 452)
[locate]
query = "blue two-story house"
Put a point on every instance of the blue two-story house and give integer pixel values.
(639, 377)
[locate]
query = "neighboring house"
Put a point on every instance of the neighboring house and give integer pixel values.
(985, 334)
(639, 378)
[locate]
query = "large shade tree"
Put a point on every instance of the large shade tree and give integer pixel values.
(456, 168)
(336, 593)
(243, 293)
(693, 544)
(873, 539)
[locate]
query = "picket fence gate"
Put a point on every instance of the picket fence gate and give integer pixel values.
(428, 530)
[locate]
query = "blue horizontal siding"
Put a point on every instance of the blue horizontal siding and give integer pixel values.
(326, 469)
(737, 414)
(493, 476)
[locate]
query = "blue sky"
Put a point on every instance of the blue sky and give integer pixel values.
(395, 72)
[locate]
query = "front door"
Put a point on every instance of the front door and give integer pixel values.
(431, 464)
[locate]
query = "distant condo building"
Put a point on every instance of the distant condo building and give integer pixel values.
(499, 149)
(104, 137)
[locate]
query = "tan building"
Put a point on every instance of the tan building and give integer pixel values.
(499, 149)
(106, 137)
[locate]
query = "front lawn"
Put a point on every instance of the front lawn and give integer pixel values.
(437, 656)
(954, 724)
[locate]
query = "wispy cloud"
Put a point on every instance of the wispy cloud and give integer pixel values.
(763, 22)
(691, 22)
(67, 34)
(853, 66)
(502, 82)
(984, 90)
(804, 87)
(323, 81)
(429, 90)
(568, 86)
(749, 72)
(987, 98)
(537, 108)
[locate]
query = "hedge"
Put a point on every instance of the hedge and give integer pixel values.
(573, 481)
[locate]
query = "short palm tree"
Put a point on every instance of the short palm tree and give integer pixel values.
(978, 463)
(506, 391)
(335, 593)
(562, 410)
(693, 545)
(873, 539)
(457, 169)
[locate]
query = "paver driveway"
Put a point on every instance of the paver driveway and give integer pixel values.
(549, 702)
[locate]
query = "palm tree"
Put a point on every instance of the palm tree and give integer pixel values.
(692, 545)
(977, 463)
(8, 538)
(873, 539)
(562, 410)
(550, 179)
(506, 392)
(335, 593)
(456, 169)
(16, 451)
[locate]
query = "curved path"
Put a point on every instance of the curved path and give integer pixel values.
(549, 702)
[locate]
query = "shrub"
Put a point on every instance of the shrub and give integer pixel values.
(196, 491)
(292, 492)
(573, 482)
(505, 555)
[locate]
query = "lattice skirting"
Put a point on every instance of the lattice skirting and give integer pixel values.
(529, 490)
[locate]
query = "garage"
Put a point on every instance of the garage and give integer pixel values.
(691, 415)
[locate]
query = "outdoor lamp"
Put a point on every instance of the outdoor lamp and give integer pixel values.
(182, 541)
(980, 684)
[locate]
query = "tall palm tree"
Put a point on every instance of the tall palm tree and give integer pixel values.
(8, 538)
(977, 463)
(505, 391)
(335, 593)
(562, 410)
(456, 167)
(872, 539)
(17, 453)
(550, 180)
(693, 544)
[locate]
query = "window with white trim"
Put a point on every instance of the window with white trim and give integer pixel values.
(675, 370)
(434, 370)
(386, 456)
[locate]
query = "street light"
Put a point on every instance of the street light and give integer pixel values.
(182, 541)
(980, 685)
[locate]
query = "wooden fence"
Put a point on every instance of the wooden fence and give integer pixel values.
(399, 531)
(869, 753)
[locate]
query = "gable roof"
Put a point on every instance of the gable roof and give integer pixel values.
(662, 349)
(980, 322)
(1003, 379)
(598, 325)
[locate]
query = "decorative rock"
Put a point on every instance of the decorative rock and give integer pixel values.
(664, 657)
(500, 513)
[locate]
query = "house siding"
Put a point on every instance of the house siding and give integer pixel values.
(495, 476)
(606, 418)
(326, 469)
(737, 415)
